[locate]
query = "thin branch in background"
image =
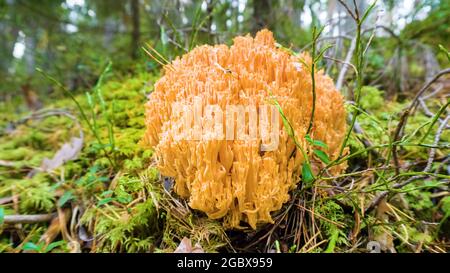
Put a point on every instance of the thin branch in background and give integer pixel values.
(359, 75)
(437, 137)
(348, 9)
(308, 45)
(431, 156)
(426, 86)
(356, 9)
(348, 58)
(344, 63)
(406, 112)
(428, 113)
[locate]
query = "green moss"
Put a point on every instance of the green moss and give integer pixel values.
(133, 164)
(128, 229)
(36, 194)
(334, 213)
(372, 98)
(20, 153)
(127, 209)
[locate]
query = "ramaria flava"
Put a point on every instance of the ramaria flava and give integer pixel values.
(234, 179)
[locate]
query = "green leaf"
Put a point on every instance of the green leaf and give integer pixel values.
(31, 246)
(124, 200)
(332, 242)
(309, 139)
(305, 64)
(446, 205)
(103, 179)
(105, 201)
(164, 38)
(2, 215)
(102, 76)
(89, 100)
(65, 197)
(319, 56)
(322, 156)
(317, 32)
(277, 246)
(307, 175)
(315, 142)
(446, 52)
(320, 144)
(53, 245)
(368, 11)
(94, 168)
(105, 193)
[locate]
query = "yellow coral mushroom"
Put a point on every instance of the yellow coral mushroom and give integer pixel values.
(232, 178)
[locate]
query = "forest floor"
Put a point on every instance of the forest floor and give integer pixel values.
(72, 182)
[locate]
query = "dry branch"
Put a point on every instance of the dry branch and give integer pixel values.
(431, 156)
(404, 118)
(28, 219)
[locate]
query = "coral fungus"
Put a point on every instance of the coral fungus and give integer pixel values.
(232, 178)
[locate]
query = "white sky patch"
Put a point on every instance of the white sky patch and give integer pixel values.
(241, 6)
(204, 6)
(73, 3)
(19, 46)
(403, 12)
(423, 13)
(71, 28)
(307, 18)
(323, 16)
(73, 15)
(405, 8)
(19, 50)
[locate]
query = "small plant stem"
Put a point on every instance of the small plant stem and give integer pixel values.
(359, 82)
(80, 108)
(313, 87)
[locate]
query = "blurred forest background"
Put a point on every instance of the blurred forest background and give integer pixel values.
(74, 78)
(73, 39)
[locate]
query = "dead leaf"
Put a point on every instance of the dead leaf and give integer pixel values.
(383, 235)
(386, 241)
(69, 151)
(186, 247)
(74, 247)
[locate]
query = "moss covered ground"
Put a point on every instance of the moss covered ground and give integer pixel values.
(111, 197)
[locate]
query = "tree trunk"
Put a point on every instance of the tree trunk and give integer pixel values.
(209, 10)
(30, 60)
(109, 30)
(261, 15)
(136, 32)
(7, 47)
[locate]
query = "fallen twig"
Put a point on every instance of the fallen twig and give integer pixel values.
(6, 200)
(427, 168)
(4, 163)
(404, 118)
(28, 219)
